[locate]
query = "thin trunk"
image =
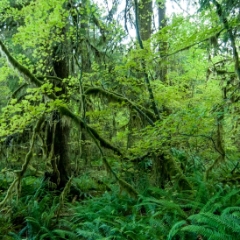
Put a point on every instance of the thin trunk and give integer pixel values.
(143, 63)
(162, 72)
(225, 23)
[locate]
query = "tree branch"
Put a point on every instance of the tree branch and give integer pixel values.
(22, 69)
(148, 115)
(104, 143)
(64, 110)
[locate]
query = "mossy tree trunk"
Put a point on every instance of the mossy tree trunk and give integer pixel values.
(162, 71)
(58, 136)
(145, 18)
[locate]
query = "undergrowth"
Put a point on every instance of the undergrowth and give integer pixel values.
(207, 212)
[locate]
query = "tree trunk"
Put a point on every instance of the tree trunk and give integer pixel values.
(58, 137)
(60, 160)
(145, 19)
(162, 72)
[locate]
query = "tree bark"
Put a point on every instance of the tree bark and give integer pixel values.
(162, 72)
(145, 18)
(60, 158)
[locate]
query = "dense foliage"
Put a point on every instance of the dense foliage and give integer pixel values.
(115, 124)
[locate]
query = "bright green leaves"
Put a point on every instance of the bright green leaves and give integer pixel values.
(4, 4)
(43, 24)
(19, 113)
(16, 116)
(186, 32)
(8, 82)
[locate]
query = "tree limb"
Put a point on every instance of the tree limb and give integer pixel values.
(149, 116)
(22, 69)
(104, 143)
(64, 110)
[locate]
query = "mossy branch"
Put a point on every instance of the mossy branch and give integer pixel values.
(52, 157)
(64, 110)
(22, 69)
(29, 154)
(41, 78)
(62, 197)
(175, 171)
(148, 115)
(104, 143)
(14, 94)
(28, 157)
(191, 45)
(9, 192)
(123, 184)
(18, 66)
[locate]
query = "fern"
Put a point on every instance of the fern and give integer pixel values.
(206, 232)
(176, 227)
(113, 217)
(216, 219)
(234, 210)
(165, 205)
(207, 214)
(220, 223)
(87, 234)
(212, 205)
(212, 226)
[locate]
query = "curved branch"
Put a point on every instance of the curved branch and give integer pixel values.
(19, 89)
(18, 66)
(20, 173)
(191, 45)
(22, 69)
(104, 143)
(64, 110)
(122, 183)
(149, 116)
(41, 78)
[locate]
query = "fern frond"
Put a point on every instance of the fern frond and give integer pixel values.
(46, 236)
(14, 236)
(175, 229)
(213, 204)
(216, 222)
(206, 232)
(231, 210)
(33, 220)
(165, 205)
(192, 205)
(227, 198)
(90, 235)
(64, 233)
